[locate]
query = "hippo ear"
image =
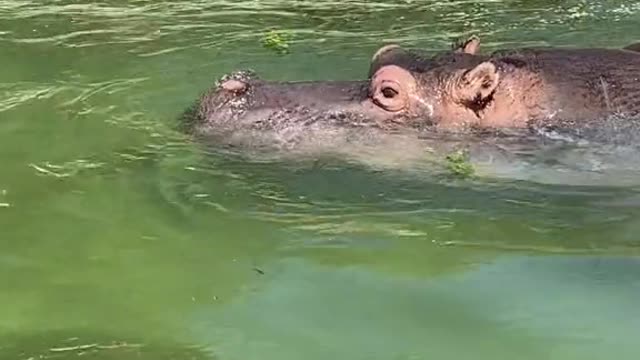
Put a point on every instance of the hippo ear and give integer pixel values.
(633, 47)
(471, 45)
(479, 83)
(386, 55)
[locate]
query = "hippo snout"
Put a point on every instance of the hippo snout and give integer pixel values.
(389, 98)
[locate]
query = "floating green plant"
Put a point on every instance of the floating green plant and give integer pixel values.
(458, 164)
(276, 41)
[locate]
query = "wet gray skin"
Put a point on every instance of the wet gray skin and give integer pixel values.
(245, 110)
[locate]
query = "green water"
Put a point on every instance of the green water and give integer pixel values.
(122, 239)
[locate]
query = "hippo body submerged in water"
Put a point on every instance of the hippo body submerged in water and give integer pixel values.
(407, 93)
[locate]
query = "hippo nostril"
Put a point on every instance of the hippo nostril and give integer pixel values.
(235, 86)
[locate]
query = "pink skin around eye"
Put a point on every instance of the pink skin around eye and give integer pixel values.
(391, 86)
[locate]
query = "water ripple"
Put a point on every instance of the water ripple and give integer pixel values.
(67, 169)
(150, 29)
(105, 87)
(13, 95)
(412, 22)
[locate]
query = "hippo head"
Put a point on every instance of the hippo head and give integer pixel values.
(242, 101)
(394, 97)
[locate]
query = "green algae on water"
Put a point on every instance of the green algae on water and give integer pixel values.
(276, 41)
(459, 165)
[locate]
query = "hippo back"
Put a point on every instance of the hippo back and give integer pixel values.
(587, 81)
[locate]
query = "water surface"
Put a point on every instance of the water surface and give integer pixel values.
(123, 239)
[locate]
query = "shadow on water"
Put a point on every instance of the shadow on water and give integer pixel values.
(519, 307)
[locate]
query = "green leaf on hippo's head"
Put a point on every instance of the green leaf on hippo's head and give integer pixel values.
(276, 41)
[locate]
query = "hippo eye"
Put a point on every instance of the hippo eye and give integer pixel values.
(389, 92)
(392, 88)
(388, 95)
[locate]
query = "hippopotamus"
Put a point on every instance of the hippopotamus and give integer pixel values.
(407, 92)
(241, 107)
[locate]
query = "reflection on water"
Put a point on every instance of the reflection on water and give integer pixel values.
(118, 229)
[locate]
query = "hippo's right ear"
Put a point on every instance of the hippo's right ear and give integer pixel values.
(477, 84)
(633, 47)
(471, 45)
